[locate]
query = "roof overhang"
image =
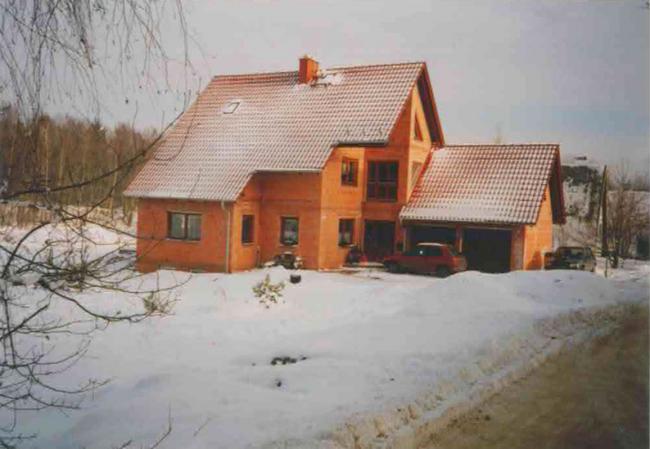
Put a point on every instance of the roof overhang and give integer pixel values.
(429, 106)
(459, 223)
(557, 191)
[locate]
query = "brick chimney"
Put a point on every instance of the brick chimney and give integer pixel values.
(308, 70)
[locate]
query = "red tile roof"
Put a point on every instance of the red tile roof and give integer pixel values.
(497, 184)
(279, 125)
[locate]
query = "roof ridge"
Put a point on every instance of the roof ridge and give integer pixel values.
(253, 74)
(286, 72)
(363, 66)
(530, 144)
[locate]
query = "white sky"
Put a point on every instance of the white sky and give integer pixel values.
(577, 73)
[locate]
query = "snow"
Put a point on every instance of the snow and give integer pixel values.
(582, 161)
(372, 343)
(326, 78)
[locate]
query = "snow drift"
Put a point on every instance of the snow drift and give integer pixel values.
(368, 354)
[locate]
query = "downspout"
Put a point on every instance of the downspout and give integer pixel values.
(227, 210)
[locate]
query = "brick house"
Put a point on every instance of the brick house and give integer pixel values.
(313, 161)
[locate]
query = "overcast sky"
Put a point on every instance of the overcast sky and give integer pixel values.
(577, 73)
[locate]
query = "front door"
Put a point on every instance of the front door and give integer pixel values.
(379, 239)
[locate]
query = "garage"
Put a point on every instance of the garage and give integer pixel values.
(487, 250)
(502, 200)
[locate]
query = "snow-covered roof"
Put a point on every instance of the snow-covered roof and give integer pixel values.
(582, 161)
(497, 184)
(242, 124)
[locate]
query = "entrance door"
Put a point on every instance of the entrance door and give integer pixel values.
(378, 239)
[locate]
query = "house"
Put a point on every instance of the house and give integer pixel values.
(313, 161)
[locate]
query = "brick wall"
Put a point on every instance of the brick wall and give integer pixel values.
(154, 249)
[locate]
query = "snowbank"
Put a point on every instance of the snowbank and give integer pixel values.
(376, 356)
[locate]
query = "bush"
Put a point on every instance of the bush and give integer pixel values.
(267, 292)
(155, 305)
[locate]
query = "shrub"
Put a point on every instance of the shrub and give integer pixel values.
(155, 305)
(267, 292)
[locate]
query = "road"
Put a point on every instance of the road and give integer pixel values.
(593, 397)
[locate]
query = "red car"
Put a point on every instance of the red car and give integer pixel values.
(427, 258)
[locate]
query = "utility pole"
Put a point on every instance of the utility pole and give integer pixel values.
(604, 251)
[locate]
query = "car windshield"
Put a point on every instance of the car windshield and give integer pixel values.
(572, 253)
(452, 250)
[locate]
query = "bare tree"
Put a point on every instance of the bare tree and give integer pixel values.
(627, 215)
(64, 51)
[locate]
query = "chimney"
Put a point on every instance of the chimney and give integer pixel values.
(308, 69)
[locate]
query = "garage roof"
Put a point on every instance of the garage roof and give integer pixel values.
(492, 184)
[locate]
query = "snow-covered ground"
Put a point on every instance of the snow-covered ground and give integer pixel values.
(375, 352)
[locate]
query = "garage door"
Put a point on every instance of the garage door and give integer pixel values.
(487, 250)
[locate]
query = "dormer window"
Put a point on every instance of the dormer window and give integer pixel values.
(230, 107)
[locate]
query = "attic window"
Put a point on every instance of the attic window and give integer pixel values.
(230, 107)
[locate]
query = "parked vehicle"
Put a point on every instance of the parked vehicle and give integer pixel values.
(571, 258)
(427, 258)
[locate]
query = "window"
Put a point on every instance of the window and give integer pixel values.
(417, 132)
(346, 231)
(382, 181)
(230, 107)
(247, 224)
(289, 231)
(417, 251)
(193, 227)
(572, 252)
(425, 250)
(349, 169)
(183, 226)
(433, 251)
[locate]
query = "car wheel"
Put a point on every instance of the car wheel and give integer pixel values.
(392, 267)
(443, 272)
